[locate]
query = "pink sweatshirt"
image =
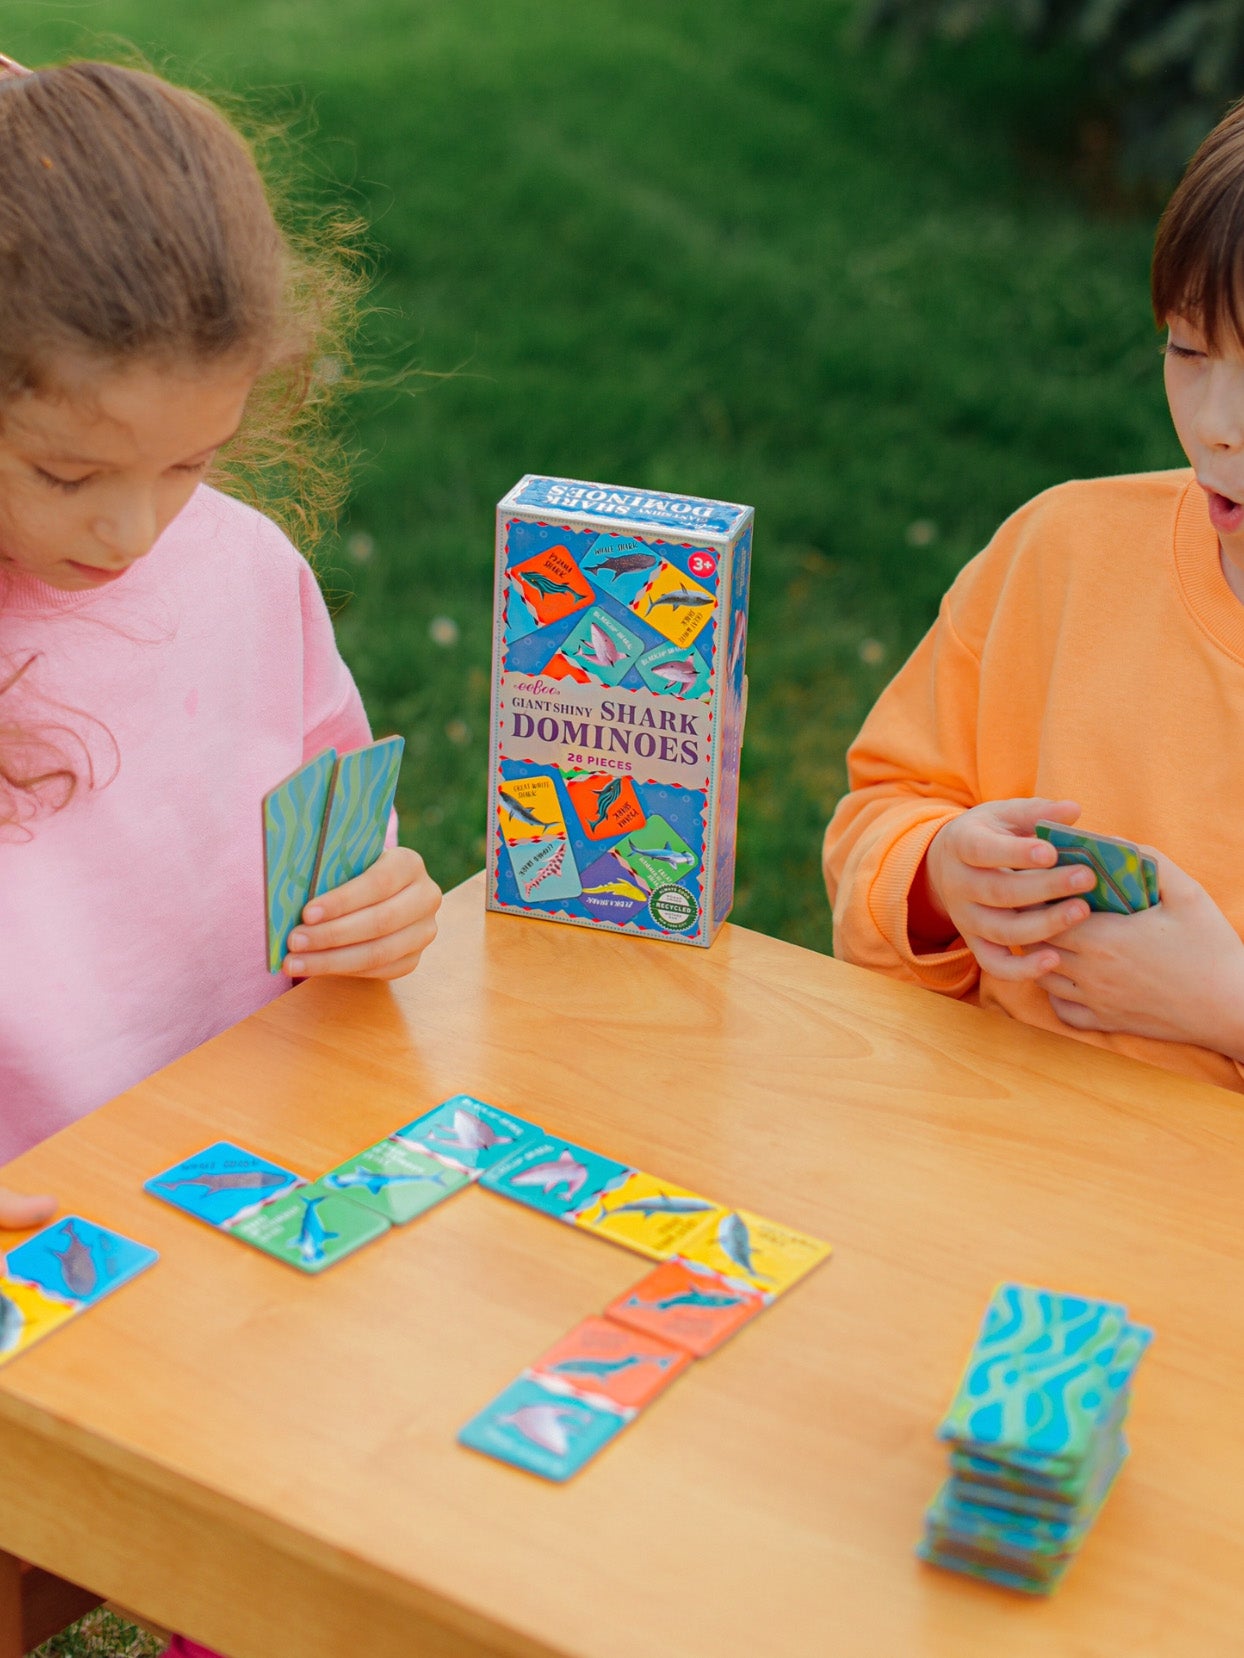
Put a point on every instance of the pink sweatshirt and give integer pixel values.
(132, 921)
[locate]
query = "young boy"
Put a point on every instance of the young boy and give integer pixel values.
(1087, 667)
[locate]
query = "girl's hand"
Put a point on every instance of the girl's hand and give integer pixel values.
(374, 927)
(989, 878)
(18, 1212)
(1175, 972)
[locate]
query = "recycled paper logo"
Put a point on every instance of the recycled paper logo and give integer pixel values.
(674, 909)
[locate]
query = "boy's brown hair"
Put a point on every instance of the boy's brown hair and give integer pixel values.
(1198, 256)
(135, 226)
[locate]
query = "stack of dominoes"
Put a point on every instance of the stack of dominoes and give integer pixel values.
(1126, 879)
(1036, 1430)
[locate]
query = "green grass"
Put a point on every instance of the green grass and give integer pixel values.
(101, 1635)
(721, 249)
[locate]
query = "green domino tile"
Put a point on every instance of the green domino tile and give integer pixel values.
(395, 1181)
(312, 1228)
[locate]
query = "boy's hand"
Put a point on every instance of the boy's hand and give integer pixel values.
(992, 880)
(18, 1212)
(374, 927)
(1175, 972)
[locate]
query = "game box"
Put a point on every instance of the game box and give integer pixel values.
(618, 702)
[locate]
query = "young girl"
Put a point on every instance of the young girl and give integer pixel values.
(1088, 667)
(165, 655)
(165, 652)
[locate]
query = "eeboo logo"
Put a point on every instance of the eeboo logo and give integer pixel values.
(674, 909)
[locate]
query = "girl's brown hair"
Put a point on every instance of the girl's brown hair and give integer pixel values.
(1198, 257)
(135, 225)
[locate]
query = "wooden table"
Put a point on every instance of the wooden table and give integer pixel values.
(267, 1461)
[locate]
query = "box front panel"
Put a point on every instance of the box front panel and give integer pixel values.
(608, 652)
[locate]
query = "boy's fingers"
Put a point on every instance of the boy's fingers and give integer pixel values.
(1174, 882)
(998, 960)
(1058, 984)
(1024, 927)
(1018, 889)
(1005, 837)
(18, 1212)
(1075, 1014)
(1023, 815)
(984, 845)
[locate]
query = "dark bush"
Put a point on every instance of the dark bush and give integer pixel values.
(1165, 71)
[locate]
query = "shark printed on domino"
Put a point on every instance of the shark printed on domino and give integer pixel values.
(221, 1183)
(653, 1217)
(396, 1179)
(688, 1307)
(763, 1253)
(75, 1260)
(555, 1176)
(468, 1134)
(312, 1228)
(627, 1367)
(545, 1427)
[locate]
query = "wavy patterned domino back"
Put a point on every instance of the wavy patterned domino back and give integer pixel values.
(293, 821)
(364, 785)
(1044, 1376)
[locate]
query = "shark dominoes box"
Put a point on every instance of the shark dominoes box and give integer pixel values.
(618, 701)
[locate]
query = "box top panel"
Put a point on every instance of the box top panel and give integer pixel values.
(575, 498)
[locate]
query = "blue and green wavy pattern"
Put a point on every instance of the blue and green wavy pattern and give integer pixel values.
(293, 816)
(1044, 1376)
(358, 814)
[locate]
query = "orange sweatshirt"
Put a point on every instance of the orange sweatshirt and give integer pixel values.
(1095, 652)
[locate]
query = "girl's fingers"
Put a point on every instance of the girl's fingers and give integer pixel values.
(407, 907)
(19, 1212)
(396, 868)
(374, 958)
(396, 969)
